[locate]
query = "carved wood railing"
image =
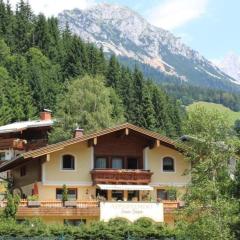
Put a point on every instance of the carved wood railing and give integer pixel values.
(12, 143)
(22, 144)
(56, 204)
(168, 204)
(118, 176)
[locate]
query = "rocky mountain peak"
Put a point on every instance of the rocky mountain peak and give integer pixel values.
(128, 35)
(230, 64)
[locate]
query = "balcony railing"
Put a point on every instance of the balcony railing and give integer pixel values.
(21, 144)
(81, 208)
(12, 143)
(118, 176)
(56, 204)
(56, 208)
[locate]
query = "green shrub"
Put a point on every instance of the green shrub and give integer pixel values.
(65, 193)
(115, 229)
(32, 198)
(144, 222)
(12, 206)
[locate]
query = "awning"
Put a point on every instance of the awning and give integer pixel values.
(125, 187)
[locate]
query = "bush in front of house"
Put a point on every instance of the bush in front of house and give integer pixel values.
(115, 229)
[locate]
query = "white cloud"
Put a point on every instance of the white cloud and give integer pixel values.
(172, 14)
(53, 7)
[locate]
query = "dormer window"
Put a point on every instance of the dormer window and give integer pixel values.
(68, 162)
(168, 164)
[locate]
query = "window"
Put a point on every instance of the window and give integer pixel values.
(117, 195)
(117, 163)
(101, 162)
(163, 194)
(168, 164)
(133, 195)
(74, 222)
(2, 156)
(68, 162)
(72, 194)
(23, 171)
(101, 194)
(132, 163)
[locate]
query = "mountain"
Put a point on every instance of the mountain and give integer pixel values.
(158, 52)
(231, 66)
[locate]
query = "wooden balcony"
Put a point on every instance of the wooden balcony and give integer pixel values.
(21, 144)
(56, 208)
(121, 176)
(14, 143)
(35, 144)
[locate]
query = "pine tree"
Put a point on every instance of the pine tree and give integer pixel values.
(41, 35)
(148, 113)
(43, 79)
(113, 73)
(138, 85)
(23, 27)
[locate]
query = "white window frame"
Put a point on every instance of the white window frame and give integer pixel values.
(61, 163)
(174, 164)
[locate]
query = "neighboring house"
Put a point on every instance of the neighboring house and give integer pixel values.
(123, 171)
(19, 137)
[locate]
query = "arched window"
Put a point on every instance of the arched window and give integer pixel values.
(68, 162)
(168, 164)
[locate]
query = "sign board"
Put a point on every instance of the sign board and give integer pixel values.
(131, 210)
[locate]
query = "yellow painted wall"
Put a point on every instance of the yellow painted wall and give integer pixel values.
(81, 174)
(48, 193)
(160, 178)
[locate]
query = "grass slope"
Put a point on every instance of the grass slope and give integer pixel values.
(232, 116)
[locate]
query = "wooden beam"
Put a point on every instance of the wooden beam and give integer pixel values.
(92, 142)
(155, 144)
(126, 131)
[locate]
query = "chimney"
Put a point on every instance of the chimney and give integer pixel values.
(78, 132)
(46, 114)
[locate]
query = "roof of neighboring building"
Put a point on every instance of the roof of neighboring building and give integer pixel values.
(59, 146)
(20, 126)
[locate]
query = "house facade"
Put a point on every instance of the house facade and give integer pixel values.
(19, 137)
(124, 171)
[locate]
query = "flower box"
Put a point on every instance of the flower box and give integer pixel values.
(70, 204)
(34, 204)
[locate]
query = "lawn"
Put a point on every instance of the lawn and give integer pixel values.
(232, 116)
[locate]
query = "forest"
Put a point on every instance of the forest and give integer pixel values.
(39, 62)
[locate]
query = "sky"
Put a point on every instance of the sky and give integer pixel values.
(208, 26)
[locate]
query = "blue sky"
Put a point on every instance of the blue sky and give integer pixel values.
(209, 26)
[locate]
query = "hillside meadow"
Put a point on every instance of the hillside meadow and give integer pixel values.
(231, 115)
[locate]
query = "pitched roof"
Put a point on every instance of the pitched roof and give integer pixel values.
(20, 126)
(59, 146)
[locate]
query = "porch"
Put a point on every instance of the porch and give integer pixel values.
(77, 209)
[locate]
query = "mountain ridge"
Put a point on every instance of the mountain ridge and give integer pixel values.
(230, 64)
(125, 33)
